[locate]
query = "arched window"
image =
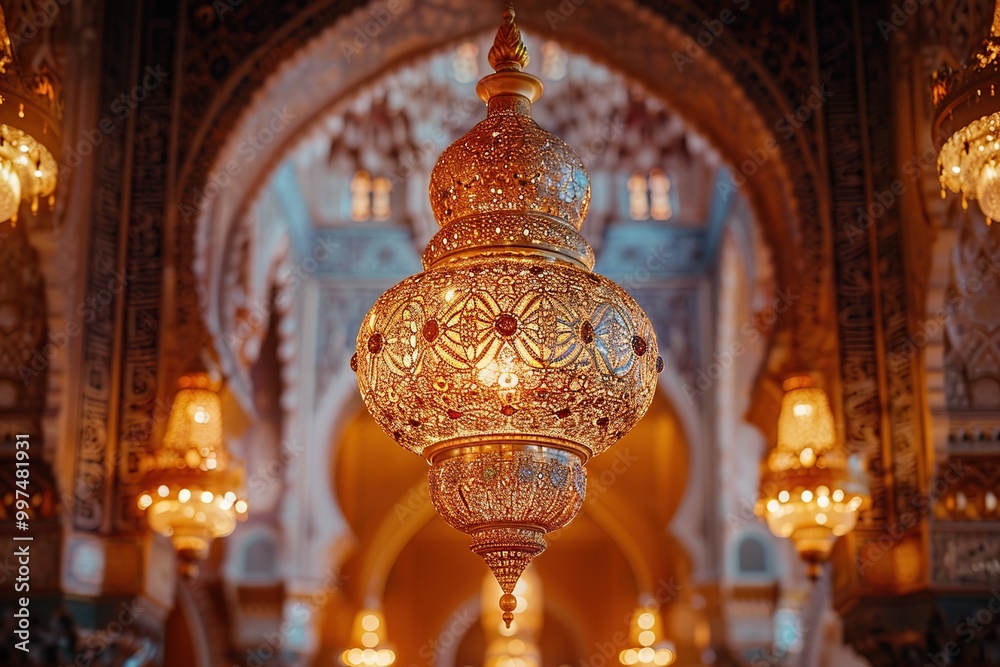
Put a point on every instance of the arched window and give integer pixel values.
(638, 197)
(649, 197)
(361, 196)
(370, 198)
(381, 209)
(260, 557)
(752, 557)
(659, 195)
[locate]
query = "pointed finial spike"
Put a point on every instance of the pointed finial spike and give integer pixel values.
(508, 53)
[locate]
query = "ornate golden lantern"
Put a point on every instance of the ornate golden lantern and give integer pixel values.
(649, 645)
(369, 634)
(194, 486)
(507, 363)
(810, 491)
(29, 134)
(967, 126)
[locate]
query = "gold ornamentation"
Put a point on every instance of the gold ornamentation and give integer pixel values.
(811, 492)
(507, 363)
(508, 53)
(193, 485)
(29, 134)
(967, 126)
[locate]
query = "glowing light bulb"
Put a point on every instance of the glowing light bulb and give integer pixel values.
(184, 495)
(807, 496)
(807, 457)
(988, 190)
(163, 491)
(370, 622)
(145, 500)
(645, 620)
(784, 496)
(201, 415)
(802, 410)
(207, 496)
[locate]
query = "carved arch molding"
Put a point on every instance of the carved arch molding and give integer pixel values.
(749, 94)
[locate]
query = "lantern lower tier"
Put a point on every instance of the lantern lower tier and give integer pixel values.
(507, 495)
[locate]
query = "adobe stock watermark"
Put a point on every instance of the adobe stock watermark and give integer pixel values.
(606, 653)
(247, 152)
(967, 630)
(452, 633)
(381, 15)
(562, 13)
(274, 470)
(261, 310)
(750, 333)
(712, 29)
(785, 127)
(95, 645)
(120, 109)
(930, 328)
(900, 14)
(88, 311)
(31, 23)
(920, 505)
(300, 616)
(884, 200)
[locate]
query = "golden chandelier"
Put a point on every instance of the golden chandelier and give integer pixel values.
(507, 363)
(966, 126)
(810, 491)
(193, 485)
(29, 134)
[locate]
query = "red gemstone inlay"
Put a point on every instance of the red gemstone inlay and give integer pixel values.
(587, 331)
(375, 343)
(506, 324)
(639, 345)
(454, 414)
(431, 330)
(508, 410)
(354, 362)
(563, 413)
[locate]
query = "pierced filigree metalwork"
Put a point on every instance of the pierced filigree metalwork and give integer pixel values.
(507, 363)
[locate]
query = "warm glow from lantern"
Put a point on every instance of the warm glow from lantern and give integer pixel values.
(966, 124)
(508, 362)
(649, 646)
(369, 632)
(194, 501)
(806, 463)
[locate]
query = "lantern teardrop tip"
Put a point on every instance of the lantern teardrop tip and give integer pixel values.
(508, 603)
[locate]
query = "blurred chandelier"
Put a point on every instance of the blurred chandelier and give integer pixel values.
(369, 633)
(646, 633)
(810, 491)
(966, 126)
(29, 134)
(507, 363)
(193, 486)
